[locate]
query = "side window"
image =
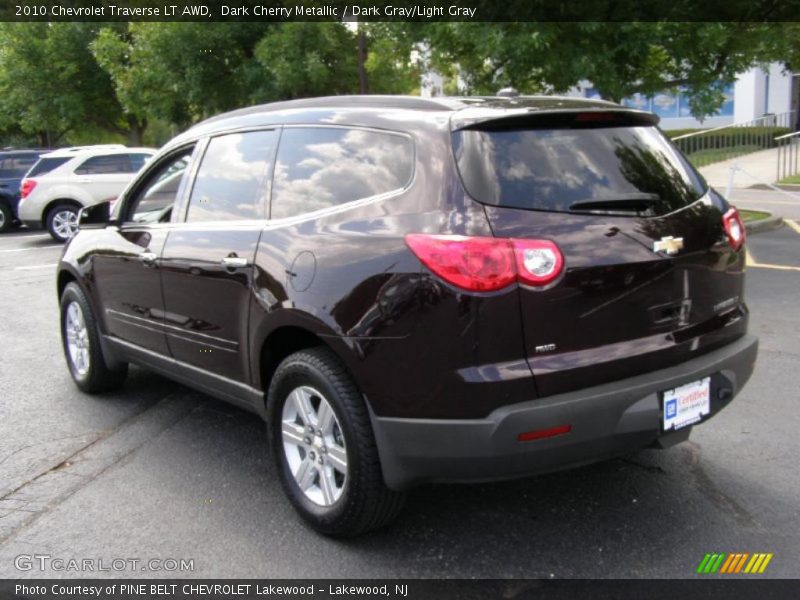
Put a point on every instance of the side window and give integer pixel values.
(104, 165)
(137, 161)
(320, 167)
(153, 203)
(231, 183)
(16, 166)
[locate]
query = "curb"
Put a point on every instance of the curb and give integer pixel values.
(767, 224)
(786, 187)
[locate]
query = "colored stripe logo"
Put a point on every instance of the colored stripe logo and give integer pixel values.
(734, 562)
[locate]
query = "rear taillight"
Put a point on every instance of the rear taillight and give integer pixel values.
(734, 228)
(485, 264)
(26, 187)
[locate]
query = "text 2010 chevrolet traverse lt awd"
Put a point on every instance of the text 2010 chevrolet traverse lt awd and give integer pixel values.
(413, 290)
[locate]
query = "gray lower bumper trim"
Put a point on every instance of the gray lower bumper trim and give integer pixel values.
(605, 420)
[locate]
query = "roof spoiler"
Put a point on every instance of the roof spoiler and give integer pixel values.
(557, 118)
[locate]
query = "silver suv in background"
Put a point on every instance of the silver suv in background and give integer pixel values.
(64, 181)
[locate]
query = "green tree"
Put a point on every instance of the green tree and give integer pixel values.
(183, 72)
(620, 59)
(51, 86)
(322, 58)
(309, 59)
(392, 64)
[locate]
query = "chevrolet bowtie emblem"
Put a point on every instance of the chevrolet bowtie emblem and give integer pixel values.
(668, 244)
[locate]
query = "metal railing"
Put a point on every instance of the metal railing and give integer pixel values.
(729, 141)
(788, 155)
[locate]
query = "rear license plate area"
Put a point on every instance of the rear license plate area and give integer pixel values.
(686, 404)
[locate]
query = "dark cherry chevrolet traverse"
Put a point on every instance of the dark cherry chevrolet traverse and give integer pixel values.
(412, 290)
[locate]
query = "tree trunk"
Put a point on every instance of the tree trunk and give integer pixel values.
(363, 82)
(136, 132)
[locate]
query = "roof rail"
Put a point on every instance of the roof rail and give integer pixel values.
(92, 147)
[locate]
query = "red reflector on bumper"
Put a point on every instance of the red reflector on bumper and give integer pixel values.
(529, 436)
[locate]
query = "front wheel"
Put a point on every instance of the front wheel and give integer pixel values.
(324, 449)
(62, 222)
(81, 340)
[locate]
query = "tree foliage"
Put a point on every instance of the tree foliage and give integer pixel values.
(61, 82)
(620, 59)
(182, 72)
(50, 83)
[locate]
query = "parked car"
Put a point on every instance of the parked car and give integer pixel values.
(64, 181)
(13, 166)
(418, 290)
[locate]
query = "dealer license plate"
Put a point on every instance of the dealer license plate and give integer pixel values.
(687, 404)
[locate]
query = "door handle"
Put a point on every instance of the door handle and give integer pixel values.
(85, 180)
(148, 258)
(234, 262)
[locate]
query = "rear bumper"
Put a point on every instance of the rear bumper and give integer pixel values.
(606, 420)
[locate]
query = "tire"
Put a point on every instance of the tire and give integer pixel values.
(82, 347)
(6, 217)
(355, 502)
(62, 222)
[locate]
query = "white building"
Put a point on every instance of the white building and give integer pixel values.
(758, 92)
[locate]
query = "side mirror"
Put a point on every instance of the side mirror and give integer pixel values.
(96, 216)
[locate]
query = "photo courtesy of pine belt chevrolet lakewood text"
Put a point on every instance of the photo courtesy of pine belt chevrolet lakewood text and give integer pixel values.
(415, 290)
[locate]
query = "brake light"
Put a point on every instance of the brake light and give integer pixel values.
(595, 116)
(26, 187)
(734, 228)
(486, 264)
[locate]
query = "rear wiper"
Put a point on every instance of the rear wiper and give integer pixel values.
(634, 202)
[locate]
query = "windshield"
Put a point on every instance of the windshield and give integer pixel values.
(570, 169)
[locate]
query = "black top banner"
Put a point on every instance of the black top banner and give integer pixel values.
(401, 10)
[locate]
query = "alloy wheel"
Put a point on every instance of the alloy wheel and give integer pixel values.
(65, 223)
(77, 336)
(314, 446)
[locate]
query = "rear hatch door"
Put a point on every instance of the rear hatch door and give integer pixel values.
(650, 279)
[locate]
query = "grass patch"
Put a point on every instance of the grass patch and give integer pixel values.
(701, 158)
(791, 179)
(749, 216)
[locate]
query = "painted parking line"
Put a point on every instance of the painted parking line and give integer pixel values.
(54, 247)
(752, 262)
(792, 225)
(27, 236)
(32, 267)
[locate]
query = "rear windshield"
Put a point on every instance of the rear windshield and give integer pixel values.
(45, 165)
(576, 170)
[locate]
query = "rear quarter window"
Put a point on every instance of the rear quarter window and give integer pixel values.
(323, 167)
(45, 165)
(553, 169)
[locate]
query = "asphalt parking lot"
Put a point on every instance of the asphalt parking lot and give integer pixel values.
(157, 471)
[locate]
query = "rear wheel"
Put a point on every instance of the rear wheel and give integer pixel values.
(324, 449)
(62, 222)
(81, 341)
(6, 217)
